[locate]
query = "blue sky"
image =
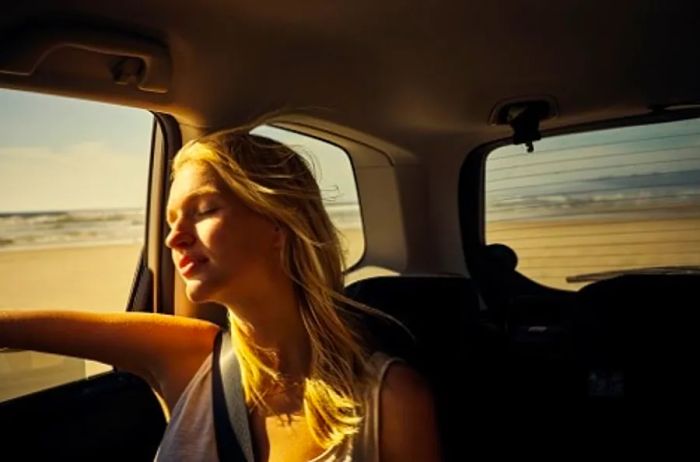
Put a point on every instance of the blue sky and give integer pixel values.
(632, 167)
(65, 154)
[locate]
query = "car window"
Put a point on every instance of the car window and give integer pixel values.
(589, 206)
(73, 178)
(333, 171)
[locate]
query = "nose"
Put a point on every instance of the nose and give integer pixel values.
(179, 237)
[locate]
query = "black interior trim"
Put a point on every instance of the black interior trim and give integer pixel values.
(172, 141)
(113, 416)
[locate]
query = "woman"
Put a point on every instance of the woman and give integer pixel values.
(249, 231)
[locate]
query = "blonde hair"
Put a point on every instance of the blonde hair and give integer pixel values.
(276, 182)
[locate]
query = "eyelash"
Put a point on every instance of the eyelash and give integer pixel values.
(207, 211)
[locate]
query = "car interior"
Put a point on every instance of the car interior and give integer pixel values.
(418, 95)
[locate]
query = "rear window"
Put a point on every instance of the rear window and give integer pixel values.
(589, 206)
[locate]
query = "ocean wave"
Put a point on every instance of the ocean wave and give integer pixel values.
(61, 228)
(40, 229)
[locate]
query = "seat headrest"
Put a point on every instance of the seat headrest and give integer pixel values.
(642, 296)
(402, 296)
(644, 327)
(435, 310)
(627, 315)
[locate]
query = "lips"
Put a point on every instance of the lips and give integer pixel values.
(188, 264)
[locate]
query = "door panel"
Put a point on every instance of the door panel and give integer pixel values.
(114, 416)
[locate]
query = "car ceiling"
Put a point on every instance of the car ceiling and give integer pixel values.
(415, 74)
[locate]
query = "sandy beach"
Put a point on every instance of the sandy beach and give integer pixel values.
(353, 243)
(551, 251)
(85, 278)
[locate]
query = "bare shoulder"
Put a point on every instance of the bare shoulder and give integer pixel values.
(179, 346)
(165, 350)
(408, 423)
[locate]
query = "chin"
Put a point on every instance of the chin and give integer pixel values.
(204, 291)
(197, 293)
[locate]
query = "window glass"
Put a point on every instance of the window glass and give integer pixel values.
(333, 171)
(588, 206)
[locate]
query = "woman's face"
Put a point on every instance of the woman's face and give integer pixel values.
(224, 251)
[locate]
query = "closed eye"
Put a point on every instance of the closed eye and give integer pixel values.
(207, 211)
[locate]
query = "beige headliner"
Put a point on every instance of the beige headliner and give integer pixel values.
(427, 74)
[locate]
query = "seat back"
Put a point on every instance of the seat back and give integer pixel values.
(441, 312)
(637, 335)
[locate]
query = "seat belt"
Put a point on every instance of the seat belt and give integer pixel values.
(233, 440)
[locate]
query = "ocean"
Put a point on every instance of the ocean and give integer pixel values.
(77, 228)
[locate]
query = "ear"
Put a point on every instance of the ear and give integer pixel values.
(280, 237)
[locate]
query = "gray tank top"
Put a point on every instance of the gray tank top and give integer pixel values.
(190, 435)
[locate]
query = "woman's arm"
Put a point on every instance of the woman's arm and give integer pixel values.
(408, 425)
(164, 350)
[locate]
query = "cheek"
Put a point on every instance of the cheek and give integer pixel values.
(250, 242)
(218, 238)
(228, 244)
(206, 232)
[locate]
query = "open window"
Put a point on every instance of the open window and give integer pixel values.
(73, 188)
(333, 171)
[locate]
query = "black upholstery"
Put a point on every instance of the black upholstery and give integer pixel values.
(636, 336)
(434, 308)
(441, 312)
(542, 367)
(642, 328)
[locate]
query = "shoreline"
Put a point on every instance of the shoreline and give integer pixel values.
(69, 245)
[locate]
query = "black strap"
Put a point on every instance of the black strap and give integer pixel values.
(233, 441)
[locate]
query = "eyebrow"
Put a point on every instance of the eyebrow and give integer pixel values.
(199, 192)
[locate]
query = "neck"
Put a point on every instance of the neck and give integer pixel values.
(274, 323)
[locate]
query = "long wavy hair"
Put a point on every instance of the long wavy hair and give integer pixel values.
(276, 182)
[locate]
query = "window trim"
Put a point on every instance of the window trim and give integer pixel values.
(159, 262)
